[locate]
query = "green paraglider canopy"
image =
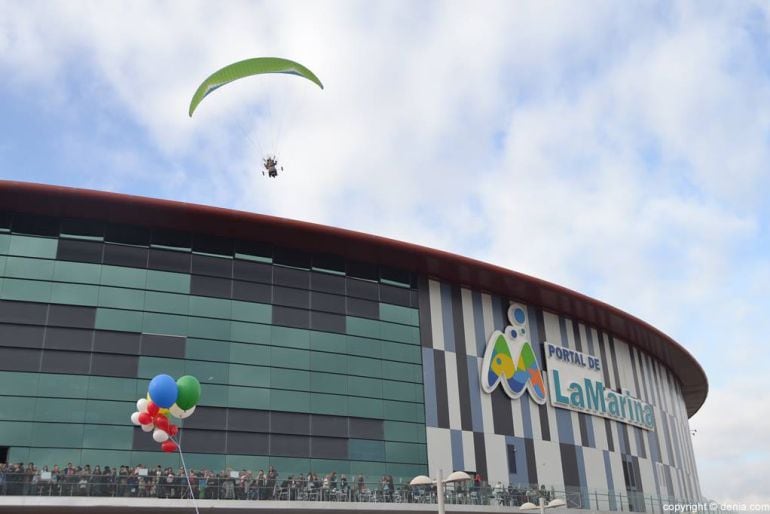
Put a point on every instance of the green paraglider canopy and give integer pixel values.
(247, 68)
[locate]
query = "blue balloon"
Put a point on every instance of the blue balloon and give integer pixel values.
(163, 391)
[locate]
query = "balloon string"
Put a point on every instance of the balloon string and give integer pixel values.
(186, 474)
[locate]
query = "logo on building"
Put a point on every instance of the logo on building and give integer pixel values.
(509, 360)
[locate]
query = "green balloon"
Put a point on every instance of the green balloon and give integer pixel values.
(189, 392)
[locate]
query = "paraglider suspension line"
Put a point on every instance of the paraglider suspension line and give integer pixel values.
(186, 475)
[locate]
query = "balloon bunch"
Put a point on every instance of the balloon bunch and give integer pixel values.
(166, 397)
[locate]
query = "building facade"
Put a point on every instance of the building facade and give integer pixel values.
(323, 350)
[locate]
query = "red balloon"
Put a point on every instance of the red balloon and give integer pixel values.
(168, 446)
(152, 408)
(172, 429)
(161, 422)
(144, 418)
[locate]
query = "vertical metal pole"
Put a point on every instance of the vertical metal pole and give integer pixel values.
(541, 503)
(440, 492)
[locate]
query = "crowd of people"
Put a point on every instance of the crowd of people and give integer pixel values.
(140, 481)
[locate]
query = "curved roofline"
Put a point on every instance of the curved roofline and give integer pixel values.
(61, 201)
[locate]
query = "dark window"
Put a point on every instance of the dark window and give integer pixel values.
(363, 289)
(203, 441)
(512, 459)
(68, 339)
(291, 258)
(289, 445)
(413, 299)
(213, 266)
(361, 428)
(289, 317)
(127, 234)
(399, 277)
(21, 336)
(35, 225)
(23, 312)
(289, 423)
(80, 251)
(291, 277)
(143, 441)
(168, 260)
(80, 227)
(250, 292)
(363, 270)
(329, 426)
(209, 418)
(363, 308)
(253, 271)
(114, 365)
(327, 302)
(55, 361)
(172, 239)
(163, 346)
(213, 245)
(255, 249)
(291, 297)
(244, 420)
(329, 262)
(247, 443)
(71, 316)
(5, 223)
(327, 322)
(394, 295)
(116, 342)
(210, 286)
(19, 359)
(327, 283)
(328, 448)
(121, 255)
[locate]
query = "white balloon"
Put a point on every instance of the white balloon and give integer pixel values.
(148, 428)
(159, 435)
(141, 404)
(135, 418)
(187, 413)
(176, 411)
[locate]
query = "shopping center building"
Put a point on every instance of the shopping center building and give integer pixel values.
(326, 350)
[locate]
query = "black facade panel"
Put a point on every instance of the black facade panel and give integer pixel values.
(248, 443)
(291, 277)
(363, 289)
(212, 245)
(362, 428)
(363, 270)
(55, 361)
(423, 295)
(363, 308)
(211, 286)
(19, 359)
(290, 297)
(35, 225)
(203, 441)
(291, 258)
(169, 260)
(251, 292)
(480, 451)
(172, 238)
(113, 365)
(394, 295)
(25, 313)
(289, 423)
(116, 342)
(245, 420)
(327, 302)
(21, 336)
(208, 418)
(328, 426)
(127, 235)
(327, 322)
(569, 465)
(212, 266)
(143, 441)
(329, 262)
(328, 448)
(442, 400)
(529, 446)
(583, 425)
(129, 256)
(502, 412)
(82, 227)
(71, 316)
(327, 283)
(289, 317)
(163, 346)
(80, 251)
(252, 271)
(68, 339)
(289, 445)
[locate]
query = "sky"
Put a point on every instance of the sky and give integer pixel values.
(621, 149)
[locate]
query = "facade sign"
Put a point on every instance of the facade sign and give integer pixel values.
(576, 383)
(509, 360)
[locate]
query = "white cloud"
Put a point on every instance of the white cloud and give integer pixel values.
(619, 149)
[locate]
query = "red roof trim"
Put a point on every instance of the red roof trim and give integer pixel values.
(112, 207)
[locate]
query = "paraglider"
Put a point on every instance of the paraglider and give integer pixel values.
(248, 68)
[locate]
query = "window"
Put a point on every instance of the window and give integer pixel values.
(119, 255)
(163, 346)
(363, 308)
(213, 266)
(366, 428)
(291, 297)
(252, 271)
(80, 251)
(209, 286)
(166, 260)
(327, 283)
(512, 459)
(289, 423)
(288, 317)
(71, 316)
(246, 443)
(328, 448)
(327, 322)
(21, 336)
(127, 234)
(114, 365)
(246, 420)
(363, 289)
(68, 339)
(55, 361)
(23, 312)
(116, 342)
(329, 426)
(289, 445)
(251, 292)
